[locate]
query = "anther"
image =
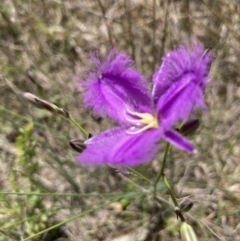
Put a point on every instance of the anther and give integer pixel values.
(141, 122)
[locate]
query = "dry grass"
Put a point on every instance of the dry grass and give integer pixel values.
(44, 48)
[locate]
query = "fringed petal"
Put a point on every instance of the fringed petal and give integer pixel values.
(116, 86)
(179, 100)
(184, 60)
(116, 147)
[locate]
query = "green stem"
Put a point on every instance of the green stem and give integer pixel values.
(143, 189)
(161, 173)
(170, 190)
(140, 175)
(78, 126)
(167, 150)
(117, 195)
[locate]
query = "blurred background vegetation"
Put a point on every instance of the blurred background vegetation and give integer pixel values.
(44, 49)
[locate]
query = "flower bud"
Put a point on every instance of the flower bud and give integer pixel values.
(46, 105)
(40, 103)
(186, 205)
(77, 145)
(51, 107)
(189, 127)
(187, 232)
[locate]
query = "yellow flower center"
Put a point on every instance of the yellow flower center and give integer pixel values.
(141, 122)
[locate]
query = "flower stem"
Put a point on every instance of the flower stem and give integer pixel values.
(161, 173)
(169, 190)
(78, 126)
(167, 150)
(139, 175)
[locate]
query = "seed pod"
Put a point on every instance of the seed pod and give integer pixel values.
(187, 232)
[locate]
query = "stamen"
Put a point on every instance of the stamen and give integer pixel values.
(144, 120)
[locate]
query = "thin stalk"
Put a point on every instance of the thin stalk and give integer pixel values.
(119, 195)
(138, 174)
(147, 191)
(78, 126)
(161, 173)
(167, 150)
(143, 189)
(170, 191)
(161, 200)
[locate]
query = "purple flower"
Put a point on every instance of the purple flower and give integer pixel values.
(118, 91)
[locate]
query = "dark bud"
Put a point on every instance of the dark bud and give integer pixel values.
(77, 145)
(189, 127)
(89, 135)
(186, 205)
